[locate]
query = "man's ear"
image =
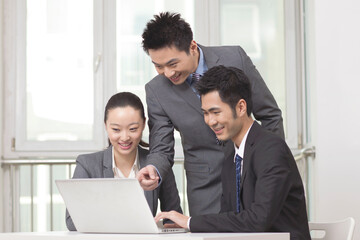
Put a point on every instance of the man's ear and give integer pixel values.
(241, 108)
(193, 46)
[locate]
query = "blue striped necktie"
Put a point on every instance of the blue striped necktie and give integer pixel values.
(238, 160)
(194, 78)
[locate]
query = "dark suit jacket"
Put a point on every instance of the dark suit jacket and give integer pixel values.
(99, 165)
(272, 193)
(177, 107)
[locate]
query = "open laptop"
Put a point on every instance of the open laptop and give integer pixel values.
(109, 205)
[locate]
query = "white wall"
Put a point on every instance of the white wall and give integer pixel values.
(1, 118)
(334, 54)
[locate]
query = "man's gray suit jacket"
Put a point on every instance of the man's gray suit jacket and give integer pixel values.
(99, 165)
(272, 194)
(178, 107)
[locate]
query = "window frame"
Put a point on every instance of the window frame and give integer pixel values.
(15, 143)
(208, 29)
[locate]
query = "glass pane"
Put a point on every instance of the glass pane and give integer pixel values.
(58, 205)
(258, 27)
(25, 207)
(41, 205)
(59, 70)
(134, 66)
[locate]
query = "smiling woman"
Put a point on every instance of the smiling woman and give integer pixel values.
(124, 123)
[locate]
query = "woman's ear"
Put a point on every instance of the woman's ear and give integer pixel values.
(144, 124)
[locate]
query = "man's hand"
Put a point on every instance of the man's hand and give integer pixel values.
(148, 178)
(177, 218)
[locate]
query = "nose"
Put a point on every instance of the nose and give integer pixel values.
(209, 120)
(124, 136)
(168, 72)
(212, 121)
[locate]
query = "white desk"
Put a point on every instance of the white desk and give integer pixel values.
(174, 236)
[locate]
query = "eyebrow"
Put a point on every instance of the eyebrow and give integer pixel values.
(211, 109)
(167, 63)
(115, 124)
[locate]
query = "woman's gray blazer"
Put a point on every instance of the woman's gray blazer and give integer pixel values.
(99, 165)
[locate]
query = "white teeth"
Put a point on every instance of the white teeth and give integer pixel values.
(125, 145)
(175, 77)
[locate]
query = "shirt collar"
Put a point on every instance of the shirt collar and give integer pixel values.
(240, 151)
(135, 168)
(202, 67)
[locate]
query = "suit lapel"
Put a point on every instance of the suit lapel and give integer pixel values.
(229, 169)
(185, 92)
(211, 59)
(151, 196)
(107, 163)
(249, 150)
(142, 157)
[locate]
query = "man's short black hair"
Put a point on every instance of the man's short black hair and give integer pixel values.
(167, 30)
(231, 83)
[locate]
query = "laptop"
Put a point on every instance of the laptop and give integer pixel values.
(109, 205)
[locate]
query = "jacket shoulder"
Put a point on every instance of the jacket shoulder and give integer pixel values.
(143, 152)
(92, 158)
(158, 82)
(220, 50)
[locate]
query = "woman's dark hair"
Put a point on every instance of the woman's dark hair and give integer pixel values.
(124, 99)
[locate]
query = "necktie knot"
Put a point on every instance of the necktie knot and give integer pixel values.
(195, 77)
(238, 158)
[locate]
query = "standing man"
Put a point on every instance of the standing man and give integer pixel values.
(174, 104)
(262, 187)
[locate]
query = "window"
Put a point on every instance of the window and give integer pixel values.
(56, 84)
(269, 32)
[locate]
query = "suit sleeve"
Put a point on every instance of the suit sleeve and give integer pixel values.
(169, 195)
(80, 172)
(273, 184)
(265, 108)
(161, 135)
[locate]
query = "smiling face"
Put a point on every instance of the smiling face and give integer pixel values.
(219, 116)
(225, 123)
(174, 64)
(124, 126)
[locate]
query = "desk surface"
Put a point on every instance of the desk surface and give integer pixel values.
(173, 236)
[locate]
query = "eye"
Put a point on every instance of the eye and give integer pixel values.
(172, 64)
(115, 129)
(133, 129)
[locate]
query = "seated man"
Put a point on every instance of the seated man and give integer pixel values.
(262, 187)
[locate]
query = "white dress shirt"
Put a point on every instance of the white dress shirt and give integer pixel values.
(134, 170)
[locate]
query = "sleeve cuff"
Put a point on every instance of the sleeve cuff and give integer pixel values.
(160, 178)
(188, 223)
